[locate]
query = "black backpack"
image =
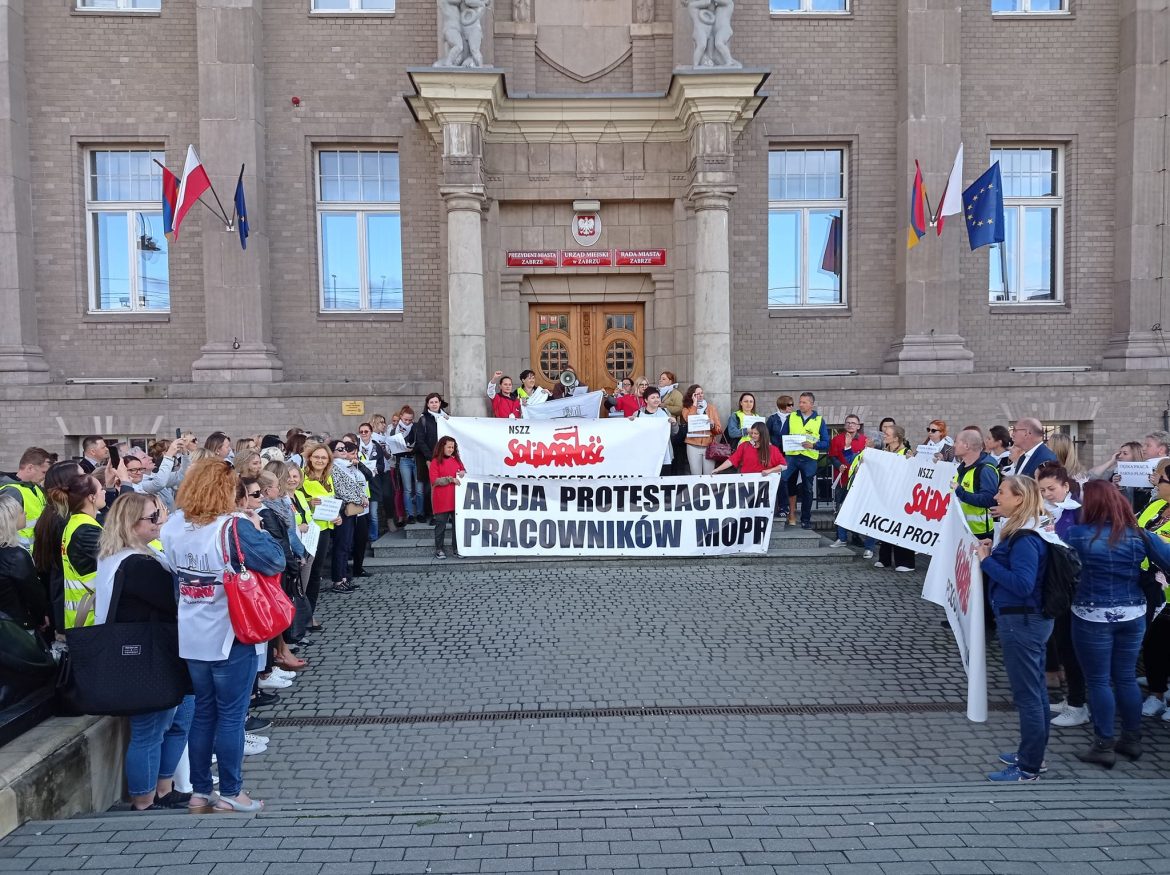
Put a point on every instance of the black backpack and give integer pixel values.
(1062, 574)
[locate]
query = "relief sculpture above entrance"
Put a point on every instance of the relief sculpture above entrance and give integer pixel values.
(584, 39)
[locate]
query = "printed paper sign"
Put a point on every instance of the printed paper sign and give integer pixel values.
(794, 443)
(1136, 473)
(641, 517)
(328, 510)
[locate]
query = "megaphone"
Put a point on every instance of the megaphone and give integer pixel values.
(568, 379)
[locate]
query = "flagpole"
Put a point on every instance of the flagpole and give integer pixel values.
(219, 215)
(222, 211)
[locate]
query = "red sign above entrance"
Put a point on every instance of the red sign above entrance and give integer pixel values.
(537, 258)
(581, 258)
(627, 257)
(585, 258)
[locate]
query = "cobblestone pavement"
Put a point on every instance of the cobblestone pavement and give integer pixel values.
(864, 762)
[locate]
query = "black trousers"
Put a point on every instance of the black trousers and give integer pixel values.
(320, 558)
(442, 520)
(361, 540)
(1156, 653)
(892, 556)
(1073, 676)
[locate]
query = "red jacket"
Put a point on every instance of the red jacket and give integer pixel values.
(838, 458)
(505, 408)
(443, 497)
(629, 405)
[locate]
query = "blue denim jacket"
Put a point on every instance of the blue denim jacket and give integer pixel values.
(1015, 572)
(1109, 575)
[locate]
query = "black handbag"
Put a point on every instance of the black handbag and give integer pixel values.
(122, 669)
(23, 651)
(302, 612)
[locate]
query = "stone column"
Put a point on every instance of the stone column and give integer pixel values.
(927, 339)
(462, 189)
(466, 326)
(1142, 156)
(711, 291)
(21, 359)
(230, 45)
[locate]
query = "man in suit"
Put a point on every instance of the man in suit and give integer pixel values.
(95, 453)
(1028, 449)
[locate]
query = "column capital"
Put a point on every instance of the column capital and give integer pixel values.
(702, 197)
(460, 197)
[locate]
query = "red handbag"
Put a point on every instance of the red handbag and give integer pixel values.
(719, 450)
(257, 605)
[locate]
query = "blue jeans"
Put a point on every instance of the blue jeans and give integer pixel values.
(839, 493)
(1109, 651)
(373, 520)
(412, 488)
(806, 467)
(222, 690)
(157, 741)
(1025, 644)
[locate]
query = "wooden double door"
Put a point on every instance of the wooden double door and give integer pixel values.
(602, 342)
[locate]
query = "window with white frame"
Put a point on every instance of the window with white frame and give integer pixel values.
(359, 230)
(1033, 213)
(121, 5)
(1024, 7)
(807, 222)
(352, 5)
(128, 252)
(808, 5)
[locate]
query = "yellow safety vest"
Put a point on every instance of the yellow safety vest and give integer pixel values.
(978, 519)
(33, 499)
(79, 588)
(811, 429)
(739, 415)
(1152, 510)
(313, 489)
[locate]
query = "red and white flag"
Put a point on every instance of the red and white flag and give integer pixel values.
(191, 187)
(952, 201)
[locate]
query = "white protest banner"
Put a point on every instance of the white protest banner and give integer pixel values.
(1136, 473)
(643, 517)
(898, 500)
(955, 581)
(579, 448)
(585, 406)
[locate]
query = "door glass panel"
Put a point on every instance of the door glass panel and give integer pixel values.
(554, 358)
(619, 360)
(550, 321)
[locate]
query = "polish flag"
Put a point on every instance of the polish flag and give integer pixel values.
(191, 187)
(952, 201)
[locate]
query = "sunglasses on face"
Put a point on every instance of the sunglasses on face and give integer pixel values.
(1164, 479)
(256, 494)
(153, 518)
(934, 431)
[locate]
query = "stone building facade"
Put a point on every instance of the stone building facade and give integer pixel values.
(582, 108)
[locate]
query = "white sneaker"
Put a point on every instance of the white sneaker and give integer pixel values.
(839, 543)
(278, 672)
(903, 568)
(868, 554)
(1059, 707)
(1072, 717)
(255, 739)
(272, 682)
(252, 747)
(1153, 706)
(878, 564)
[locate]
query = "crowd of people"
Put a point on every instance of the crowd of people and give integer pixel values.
(161, 526)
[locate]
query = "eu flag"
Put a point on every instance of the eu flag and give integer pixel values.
(241, 213)
(983, 209)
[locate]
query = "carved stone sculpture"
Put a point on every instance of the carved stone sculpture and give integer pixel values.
(644, 10)
(522, 10)
(711, 32)
(461, 27)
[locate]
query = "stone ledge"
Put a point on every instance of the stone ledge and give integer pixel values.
(64, 767)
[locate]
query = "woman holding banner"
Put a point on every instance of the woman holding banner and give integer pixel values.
(901, 558)
(446, 469)
(756, 455)
(702, 431)
(1014, 571)
(654, 408)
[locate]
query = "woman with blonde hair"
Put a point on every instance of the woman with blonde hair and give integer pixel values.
(248, 463)
(317, 484)
(22, 597)
(1014, 570)
(127, 559)
(222, 668)
(1066, 454)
